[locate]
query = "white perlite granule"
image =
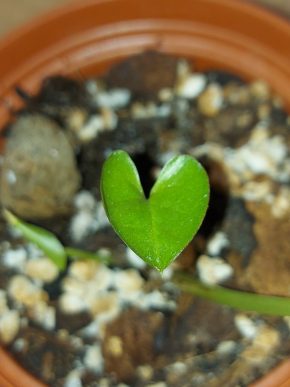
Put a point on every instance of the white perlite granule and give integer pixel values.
(246, 326)
(213, 271)
(9, 326)
(93, 359)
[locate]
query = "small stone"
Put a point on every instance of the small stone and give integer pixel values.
(267, 340)
(211, 100)
(256, 191)
(81, 225)
(20, 345)
(143, 111)
(134, 259)
(165, 94)
(128, 281)
(155, 300)
(178, 367)
(246, 326)
(15, 258)
(94, 359)
(260, 90)
(226, 347)
(104, 383)
(9, 326)
(42, 269)
(244, 120)
(281, 203)
(70, 303)
(163, 110)
(84, 270)
(264, 111)
(44, 315)
(183, 70)
(167, 273)
(76, 119)
(3, 302)
(145, 372)
(22, 290)
(213, 271)
(105, 307)
(110, 119)
(217, 243)
(73, 379)
(114, 98)
(84, 201)
(191, 86)
(103, 279)
(91, 129)
(73, 286)
(36, 149)
(115, 346)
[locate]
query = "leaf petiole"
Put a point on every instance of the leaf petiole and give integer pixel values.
(250, 302)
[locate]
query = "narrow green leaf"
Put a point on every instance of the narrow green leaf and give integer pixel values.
(250, 302)
(159, 228)
(43, 239)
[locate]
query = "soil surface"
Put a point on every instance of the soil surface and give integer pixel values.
(123, 324)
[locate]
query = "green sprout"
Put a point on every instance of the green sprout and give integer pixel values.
(49, 244)
(156, 228)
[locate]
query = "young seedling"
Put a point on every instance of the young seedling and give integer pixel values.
(157, 228)
(49, 244)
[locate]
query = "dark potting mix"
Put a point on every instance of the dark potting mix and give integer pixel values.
(122, 323)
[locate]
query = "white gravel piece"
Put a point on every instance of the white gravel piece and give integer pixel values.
(85, 270)
(218, 242)
(261, 155)
(145, 372)
(213, 271)
(9, 326)
(134, 259)
(247, 327)
(91, 129)
(114, 98)
(191, 86)
(105, 307)
(166, 94)
(226, 347)
(211, 100)
(110, 119)
(73, 379)
(155, 300)
(84, 201)
(3, 302)
(128, 282)
(70, 303)
(42, 269)
(15, 258)
(44, 315)
(25, 292)
(93, 359)
(81, 225)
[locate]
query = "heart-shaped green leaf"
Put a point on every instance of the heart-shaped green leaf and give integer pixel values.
(156, 229)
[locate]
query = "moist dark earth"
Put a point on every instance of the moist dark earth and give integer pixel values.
(238, 131)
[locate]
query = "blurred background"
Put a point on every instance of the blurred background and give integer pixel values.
(16, 12)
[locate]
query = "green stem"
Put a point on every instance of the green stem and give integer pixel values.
(74, 253)
(251, 302)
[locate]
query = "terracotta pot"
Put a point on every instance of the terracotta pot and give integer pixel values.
(84, 38)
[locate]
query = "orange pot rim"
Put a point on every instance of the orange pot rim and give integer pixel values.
(239, 31)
